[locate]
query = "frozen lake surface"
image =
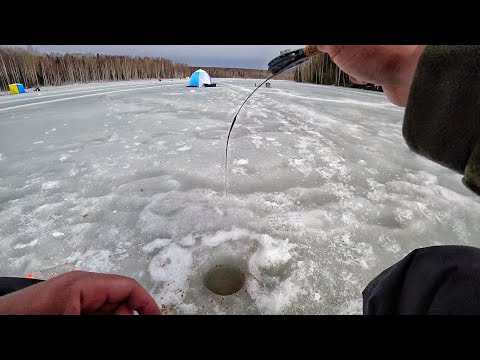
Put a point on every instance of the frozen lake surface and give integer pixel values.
(128, 178)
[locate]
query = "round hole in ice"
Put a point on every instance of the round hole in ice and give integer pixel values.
(224, 280)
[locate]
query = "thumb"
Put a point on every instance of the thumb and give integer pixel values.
(331, 50)
(357, 81)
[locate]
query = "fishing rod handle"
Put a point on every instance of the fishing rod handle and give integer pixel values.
(12, 284)
(311, 50)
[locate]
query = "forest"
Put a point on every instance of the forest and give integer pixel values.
(35, 69)
(31, 68)
(220, 72)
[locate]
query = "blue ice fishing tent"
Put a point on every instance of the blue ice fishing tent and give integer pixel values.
(200, 78)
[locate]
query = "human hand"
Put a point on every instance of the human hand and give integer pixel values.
(391, 66)
(80, 292)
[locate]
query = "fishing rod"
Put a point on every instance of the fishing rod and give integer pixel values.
(10, 284)
(278, 65)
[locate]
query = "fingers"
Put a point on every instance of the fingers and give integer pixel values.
(142, 302)
(332, 50)
(123, 309)
(82, 292)
(107, 293)
(112, 309)
(324, 48)
(109, 308)
(356, 81)
(98, 290)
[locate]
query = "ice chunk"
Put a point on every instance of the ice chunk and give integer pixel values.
(156, 244)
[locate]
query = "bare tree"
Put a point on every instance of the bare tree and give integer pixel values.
(32, 68)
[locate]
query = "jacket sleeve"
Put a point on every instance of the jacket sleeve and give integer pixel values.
(442, 117)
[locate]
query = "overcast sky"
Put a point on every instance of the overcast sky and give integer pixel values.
(246, 56)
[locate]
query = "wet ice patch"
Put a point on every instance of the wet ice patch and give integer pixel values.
(95, 261)
(351, 307)
(272, 252)
(188, 240)
(241, 162)
(389, 244)
(257, 140)
(49, 185)
(113, 137)
(31, 243)
(352, 252)
(222, 236)
(239, 171)
(171, 265)
(64, 157)
(277, 300)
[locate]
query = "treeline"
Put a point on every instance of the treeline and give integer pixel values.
(322, 70)
(219, 72)
(31, 68)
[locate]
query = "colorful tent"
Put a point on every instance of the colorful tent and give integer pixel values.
(200, 78)
(16, 88)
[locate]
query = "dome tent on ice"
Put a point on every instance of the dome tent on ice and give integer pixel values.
(200, 78)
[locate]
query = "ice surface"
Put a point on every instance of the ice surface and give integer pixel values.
(128, 178)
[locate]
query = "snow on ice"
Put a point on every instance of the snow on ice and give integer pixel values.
(323, 191)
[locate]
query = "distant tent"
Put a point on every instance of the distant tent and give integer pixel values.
(200, 78)
(16, 88)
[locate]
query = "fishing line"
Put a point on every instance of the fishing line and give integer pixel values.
(230, 131)
(286, 60)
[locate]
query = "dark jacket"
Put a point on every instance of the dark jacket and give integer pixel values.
(442, 118)
(442, 123)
